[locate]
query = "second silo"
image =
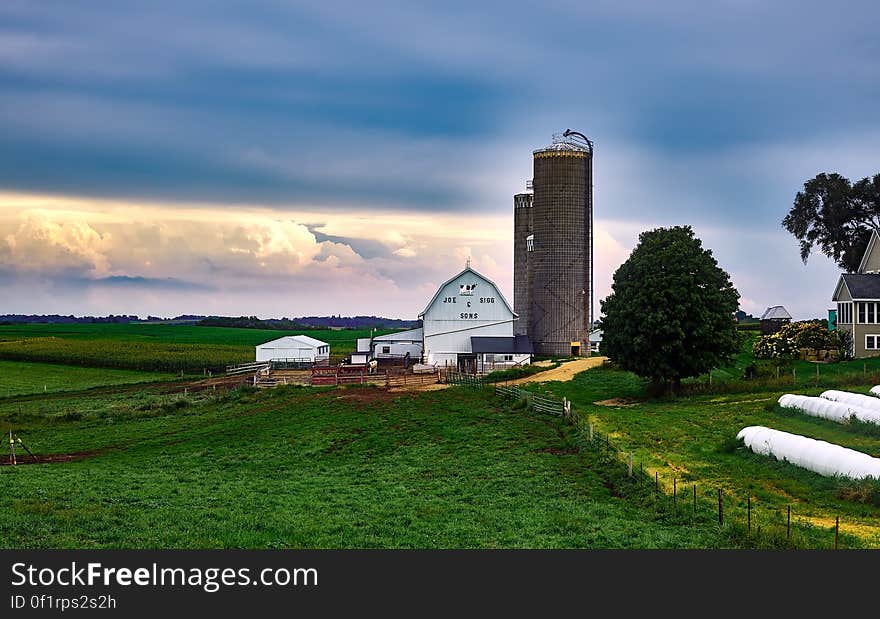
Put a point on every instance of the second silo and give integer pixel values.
(560, 261)
(522, 249)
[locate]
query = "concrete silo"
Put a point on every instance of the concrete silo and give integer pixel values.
(522, 281)
(558, 278)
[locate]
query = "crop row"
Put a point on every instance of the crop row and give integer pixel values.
(132, 355)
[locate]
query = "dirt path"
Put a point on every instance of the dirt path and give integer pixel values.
(564, 372)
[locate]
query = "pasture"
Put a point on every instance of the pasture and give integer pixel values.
(20, 378)
(692, 439)
(312, 468)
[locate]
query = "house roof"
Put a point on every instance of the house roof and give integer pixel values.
(452, 279)
(518, 344)
(777, 312)
(293, 341)
(862, 285)
(410, 335)
(863, 265)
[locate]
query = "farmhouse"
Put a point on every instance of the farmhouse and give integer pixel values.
(299, 348)
(470, 318)
(858, 302)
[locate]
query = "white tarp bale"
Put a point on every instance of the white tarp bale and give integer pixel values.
(818, 456)
(875, 390)
(828, 409)
(856, 399)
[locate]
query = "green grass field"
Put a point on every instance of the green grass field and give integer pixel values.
(19, 378)
(690, 439)
(152, 347)
(313, 468)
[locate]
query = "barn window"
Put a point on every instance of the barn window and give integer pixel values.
(386, 350)
(530, 242)
(508, 357)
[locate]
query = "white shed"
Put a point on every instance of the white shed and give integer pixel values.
(398, 345)
(467, 306)
(301, 348)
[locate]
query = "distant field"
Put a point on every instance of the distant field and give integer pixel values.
(20, 378)
(161, 348)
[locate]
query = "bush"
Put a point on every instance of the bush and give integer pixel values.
(787, 343)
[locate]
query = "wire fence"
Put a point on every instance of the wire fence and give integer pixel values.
(685, 503)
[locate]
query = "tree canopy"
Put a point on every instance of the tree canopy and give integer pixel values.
(836, 216)
(670, 313)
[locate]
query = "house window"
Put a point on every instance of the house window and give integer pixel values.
(872, 313)
(871, 342)
(530, 242)
(508, 357)
(844, 313)
(386, 350)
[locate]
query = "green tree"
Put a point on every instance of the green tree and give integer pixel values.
(835, 216)
(670, 313)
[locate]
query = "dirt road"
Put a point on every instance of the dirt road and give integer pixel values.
(564, 372)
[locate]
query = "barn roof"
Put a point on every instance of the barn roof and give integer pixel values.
(410, 335)
(862, 285)
(293, 341)
(518, 344)
(452, 279)
(777, 312)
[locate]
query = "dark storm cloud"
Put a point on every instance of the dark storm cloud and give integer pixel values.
(405, 106)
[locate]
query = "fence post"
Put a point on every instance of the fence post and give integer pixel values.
(749, 511)
(788, 525)
(675, 495)
(629, 464)
(720, 508)
(591, 432)
(656, 482)
(836, 530)
(695, 500)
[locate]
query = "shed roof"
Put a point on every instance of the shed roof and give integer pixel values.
(777, 312)
(863, 285)
(518, 344)
(410, 335)
(293, 341)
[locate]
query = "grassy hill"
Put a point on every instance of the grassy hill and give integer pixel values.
(692, 439)
(312, 468)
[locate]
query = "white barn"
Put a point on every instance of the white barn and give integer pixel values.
(470, 306)
(294, 347)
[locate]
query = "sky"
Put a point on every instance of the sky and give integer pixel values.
(277, 158)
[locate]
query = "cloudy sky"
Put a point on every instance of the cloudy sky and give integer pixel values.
(291, 158)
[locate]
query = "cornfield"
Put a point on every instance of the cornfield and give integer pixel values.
(132, 355)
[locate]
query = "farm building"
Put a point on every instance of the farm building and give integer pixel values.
(400, 345)
(595, 340)
(858, 302)
(362, 353)
(773, 319)
(466, 308)
(500, 352)
(299, 348)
